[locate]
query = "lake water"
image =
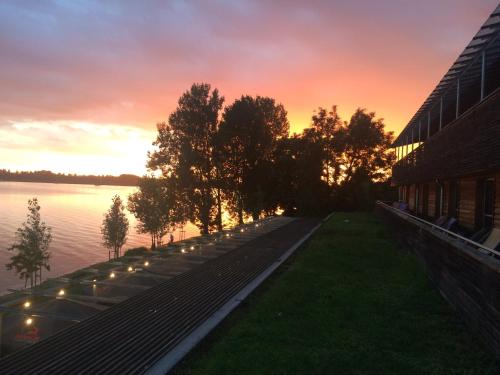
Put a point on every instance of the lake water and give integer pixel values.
(75, 213)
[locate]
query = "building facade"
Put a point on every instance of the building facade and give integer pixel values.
(448, 156)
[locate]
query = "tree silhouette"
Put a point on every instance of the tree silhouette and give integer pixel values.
(156, 207)
(185, 150)
(114, 227)
(326, 125)
(248, 134)
(32, 243)
(364, 146)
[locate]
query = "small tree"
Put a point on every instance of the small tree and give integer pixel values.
(155, 205)
(114, 227)
(32, 243)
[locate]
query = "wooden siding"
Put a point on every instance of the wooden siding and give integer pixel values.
(431, 209)
(467, 205)
(465, 147)
(468, 279)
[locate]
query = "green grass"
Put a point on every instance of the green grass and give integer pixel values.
(349, 302)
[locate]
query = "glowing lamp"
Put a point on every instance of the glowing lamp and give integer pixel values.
(27, 304)
(146, 263)
(29, 321)
(112, 275)
(61, 292)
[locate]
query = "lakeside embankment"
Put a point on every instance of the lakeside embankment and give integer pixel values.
(33, 315)
(349, 301)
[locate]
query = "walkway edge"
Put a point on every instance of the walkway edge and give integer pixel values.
(166, 363)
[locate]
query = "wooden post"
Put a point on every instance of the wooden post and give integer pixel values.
(406, 146)
(412, 140)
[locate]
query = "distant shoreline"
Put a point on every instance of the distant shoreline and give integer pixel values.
(70, 183)
(57, 178)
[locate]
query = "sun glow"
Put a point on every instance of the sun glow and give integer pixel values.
(75, 147)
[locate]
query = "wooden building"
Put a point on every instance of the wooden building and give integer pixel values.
(449, 153)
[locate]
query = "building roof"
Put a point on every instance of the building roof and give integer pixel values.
(465, 73)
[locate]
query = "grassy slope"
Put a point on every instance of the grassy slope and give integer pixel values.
(349, 302)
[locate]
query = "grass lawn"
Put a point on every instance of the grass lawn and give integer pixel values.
(349, 302)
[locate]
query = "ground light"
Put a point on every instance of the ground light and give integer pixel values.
(183, 250)
(146, 263)
(112, 275)
(61, 292)
(130, 269)
(191, 248)
(28, 321)
(27, 304)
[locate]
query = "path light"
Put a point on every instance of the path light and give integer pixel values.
(183, 250)
(256, 225)
(146, 263)
(228, 235)
(191, 248)
(28, 321)
(27, 304)
(130, 269)
(112, 275)
(61, 292)
(95, 280)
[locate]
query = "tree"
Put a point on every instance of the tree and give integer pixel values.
(326, 125)
(185, 151)
(248, 134)
(363, 148)
(297, 185)
(114, 227)
(32, 243)
(156, 207)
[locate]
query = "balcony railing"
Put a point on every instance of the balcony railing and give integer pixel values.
(437, 229)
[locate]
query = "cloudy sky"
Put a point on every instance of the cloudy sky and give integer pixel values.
(83, 83)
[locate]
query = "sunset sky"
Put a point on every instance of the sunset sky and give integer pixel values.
(83, 83)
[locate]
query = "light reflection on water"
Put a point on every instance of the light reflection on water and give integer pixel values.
(75, 213)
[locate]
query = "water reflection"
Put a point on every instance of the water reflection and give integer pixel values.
(75, 214)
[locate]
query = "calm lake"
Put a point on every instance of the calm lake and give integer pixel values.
(75, 213)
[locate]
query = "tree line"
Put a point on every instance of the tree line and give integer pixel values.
(241, 160)
(238, 161)
(51, 177)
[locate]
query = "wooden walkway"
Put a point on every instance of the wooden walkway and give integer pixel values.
(132, 336)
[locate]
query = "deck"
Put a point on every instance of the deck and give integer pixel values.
(136, 335)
